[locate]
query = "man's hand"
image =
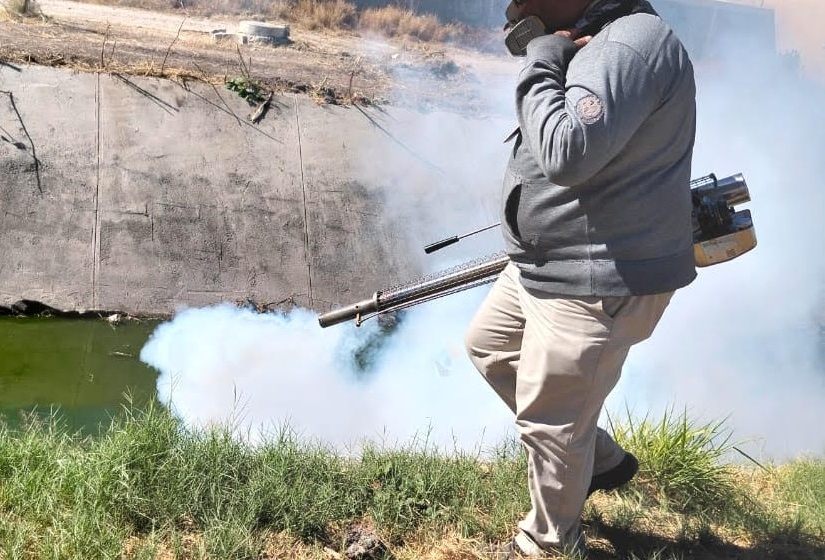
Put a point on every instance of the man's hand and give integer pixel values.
(572, 34)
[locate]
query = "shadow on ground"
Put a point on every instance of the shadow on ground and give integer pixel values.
(611, 543)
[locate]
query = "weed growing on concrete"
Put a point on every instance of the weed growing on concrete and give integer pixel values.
(247, 89)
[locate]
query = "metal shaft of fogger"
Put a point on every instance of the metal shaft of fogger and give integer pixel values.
(425, 289)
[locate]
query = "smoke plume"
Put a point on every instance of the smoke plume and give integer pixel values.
(342, 386)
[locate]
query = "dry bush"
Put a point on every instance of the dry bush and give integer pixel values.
(395, 21)
(279, 9)
(21, 8)
(326, 14)
(226, 7)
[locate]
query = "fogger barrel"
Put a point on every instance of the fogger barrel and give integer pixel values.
(463, 277)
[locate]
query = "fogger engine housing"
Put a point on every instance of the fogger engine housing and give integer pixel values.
(720, 233)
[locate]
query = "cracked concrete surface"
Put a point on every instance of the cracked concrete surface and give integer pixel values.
(146, 194)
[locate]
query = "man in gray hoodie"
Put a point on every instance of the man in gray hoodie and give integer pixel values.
(597, 221)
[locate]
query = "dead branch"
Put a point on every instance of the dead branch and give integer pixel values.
(260, 111)
(169, 48)
(149, 95)
(103, 48)
(31, 142)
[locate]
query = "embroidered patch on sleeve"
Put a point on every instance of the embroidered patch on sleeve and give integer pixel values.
(589, 109)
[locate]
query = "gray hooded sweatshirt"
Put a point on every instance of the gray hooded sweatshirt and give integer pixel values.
(596, 195)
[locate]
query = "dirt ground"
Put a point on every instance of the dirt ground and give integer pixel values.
(337, 67)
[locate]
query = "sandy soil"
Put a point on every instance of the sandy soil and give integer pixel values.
(332, 66)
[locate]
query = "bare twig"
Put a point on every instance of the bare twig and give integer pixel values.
(349, 89)
(112, 54)
(355, 69)
(12, 66)
(169, 48)
(751, 459)
(229, 111)
(406, 148)
(103, 48)
(244, 67)
(149, 95)
(204, 77)
(31, 142)
(226, 108)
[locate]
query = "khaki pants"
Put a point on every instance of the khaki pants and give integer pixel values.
(553, 360)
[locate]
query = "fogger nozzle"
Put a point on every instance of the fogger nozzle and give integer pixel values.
(349, 312)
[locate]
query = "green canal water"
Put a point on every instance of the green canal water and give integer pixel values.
(85, 369)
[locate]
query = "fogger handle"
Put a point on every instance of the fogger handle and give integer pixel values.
(432, 247)
(350, 312)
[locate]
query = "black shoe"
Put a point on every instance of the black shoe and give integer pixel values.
(619, 475)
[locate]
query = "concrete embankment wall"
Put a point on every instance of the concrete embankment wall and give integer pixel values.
(143, 195)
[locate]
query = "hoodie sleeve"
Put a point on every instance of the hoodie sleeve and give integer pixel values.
(578, 108)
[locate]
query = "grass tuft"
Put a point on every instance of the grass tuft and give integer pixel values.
(802, 483)
(680, 460)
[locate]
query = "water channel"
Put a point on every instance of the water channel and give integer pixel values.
(85, 369)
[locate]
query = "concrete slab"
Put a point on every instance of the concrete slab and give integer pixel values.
(150, 194)
(197, 206)
(48, 161)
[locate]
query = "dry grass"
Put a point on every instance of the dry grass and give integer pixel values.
(185, 546)
(394, 21)
(619, 525)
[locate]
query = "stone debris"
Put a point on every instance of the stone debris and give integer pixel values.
(255, 32)
(363, 544)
